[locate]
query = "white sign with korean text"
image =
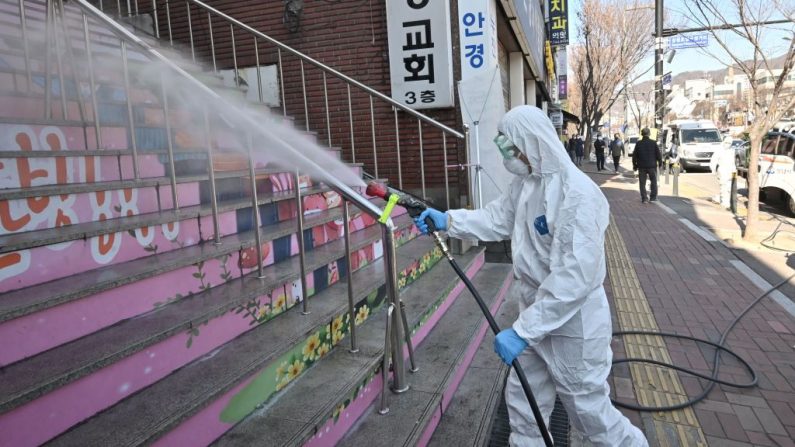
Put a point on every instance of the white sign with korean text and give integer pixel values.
(477, 32)
(420, 53)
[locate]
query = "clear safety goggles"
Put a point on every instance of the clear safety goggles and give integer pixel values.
(506, 147)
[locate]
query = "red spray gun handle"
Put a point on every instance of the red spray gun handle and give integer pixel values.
(414, 206)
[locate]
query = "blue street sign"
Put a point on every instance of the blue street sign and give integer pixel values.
(688, 41)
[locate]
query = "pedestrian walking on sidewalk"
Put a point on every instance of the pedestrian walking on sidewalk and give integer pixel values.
(570, 148)
(599, 145)
(579, 149)
(616, 150)
(645, 160)
(722, 164)
(556, 218)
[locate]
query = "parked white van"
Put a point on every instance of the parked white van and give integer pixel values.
(696, 141)
(777, 169)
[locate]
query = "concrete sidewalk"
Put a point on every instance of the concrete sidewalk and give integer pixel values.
(667, 271)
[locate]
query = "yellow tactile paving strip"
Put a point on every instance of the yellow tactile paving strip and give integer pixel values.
(653, 386)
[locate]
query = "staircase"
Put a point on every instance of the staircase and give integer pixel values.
(164, 280)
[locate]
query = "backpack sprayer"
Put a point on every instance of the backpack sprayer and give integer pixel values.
(415, 207)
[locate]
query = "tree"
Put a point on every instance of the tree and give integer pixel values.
(701, 110)
(614, 37)
(768, 104)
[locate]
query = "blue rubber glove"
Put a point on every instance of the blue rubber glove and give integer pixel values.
(439, 220)
(508, 345)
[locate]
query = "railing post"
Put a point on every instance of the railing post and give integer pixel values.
(350, 120)
(234, 54)
(407, 334)
(372, 130)
(259, 75)
(281, 81)
(190, 33)
(422, 160)
(24, 28)
(154, 17)
(91, 84)
(303, 89)
(73, 65)
(169, 144)
(59, 58)
(299, 204)
(351, 311)
(211, 173)
(399, 384)
(168, 23)
(212, 41)
(397, 148)
(130, 117)
(469, 168)
(328, 112)
(446, 176)
(47, 57)
(255, 208)
(385, 363)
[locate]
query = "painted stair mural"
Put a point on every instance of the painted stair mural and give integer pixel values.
(156, 288)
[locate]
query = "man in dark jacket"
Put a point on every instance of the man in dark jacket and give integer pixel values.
(616, 150)
(646, 159)
(599, 145)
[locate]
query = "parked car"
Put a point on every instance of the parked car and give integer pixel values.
(696, 141)
(777, 168)
(630, 144)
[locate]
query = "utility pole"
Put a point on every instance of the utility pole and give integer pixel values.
(659, 97)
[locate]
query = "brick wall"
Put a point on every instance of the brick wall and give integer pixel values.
(351, 37)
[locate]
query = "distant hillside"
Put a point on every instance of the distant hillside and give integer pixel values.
(716, 76)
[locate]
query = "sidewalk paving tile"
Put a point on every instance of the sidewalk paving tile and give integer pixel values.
(662, 275)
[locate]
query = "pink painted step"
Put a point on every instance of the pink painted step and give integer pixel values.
(94, 312)
(138, 370)
(338, 376)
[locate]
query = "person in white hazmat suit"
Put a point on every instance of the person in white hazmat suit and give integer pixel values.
(722, 164)
(556, 218)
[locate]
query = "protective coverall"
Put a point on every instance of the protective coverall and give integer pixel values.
(556, 218)
(722, 164)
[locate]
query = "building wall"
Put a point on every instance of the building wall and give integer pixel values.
(350, 37)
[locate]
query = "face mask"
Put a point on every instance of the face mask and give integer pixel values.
(506, 147)
(516, 166)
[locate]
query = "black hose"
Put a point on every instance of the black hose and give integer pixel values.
(713, 378)
(517, 368)
(768, 240)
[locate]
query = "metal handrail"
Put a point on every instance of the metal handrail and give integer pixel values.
(328, 69)
(341, 188)
(348, 193)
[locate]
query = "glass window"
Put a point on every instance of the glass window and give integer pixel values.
(781, 146)
(785, 146)
(700, 136)
(769, 145)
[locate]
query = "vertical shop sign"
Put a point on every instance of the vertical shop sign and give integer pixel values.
(563, 88)
(420, 53)
(558, 22)
(477, 31)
